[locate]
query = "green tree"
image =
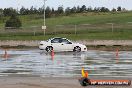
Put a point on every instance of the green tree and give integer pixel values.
(78, 9)
(1, 12)
(74, 10)
(103, 9)
(48, 12)
(41, 10)
(89, 9)
(53, 10)
(60, 10)
(1, 15)
(9, 11)
(83, 9)
(113, 10)
(96, 9)
(13, 22)
(23, 11)
(119, 8)
(67, 11)
(32, 10)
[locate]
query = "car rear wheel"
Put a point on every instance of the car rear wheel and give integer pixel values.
(77, 49)
(49, 48)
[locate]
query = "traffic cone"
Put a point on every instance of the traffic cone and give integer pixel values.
(5, 55)
(52, 54)
(117, 55)
(86, 74)
(117, 52)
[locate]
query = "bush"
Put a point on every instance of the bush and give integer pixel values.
(13, 22)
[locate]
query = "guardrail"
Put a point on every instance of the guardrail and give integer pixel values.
(86, 42)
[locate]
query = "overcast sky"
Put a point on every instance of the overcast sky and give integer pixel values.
(66, 3)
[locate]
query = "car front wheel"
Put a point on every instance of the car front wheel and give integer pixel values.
(49, 48)
(77, 49)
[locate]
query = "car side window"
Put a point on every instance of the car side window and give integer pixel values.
(66, 41)
(56, 40)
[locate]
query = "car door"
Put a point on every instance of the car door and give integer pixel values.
(55, 43)
(66, 45)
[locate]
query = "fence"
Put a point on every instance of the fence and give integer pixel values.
(81, 29)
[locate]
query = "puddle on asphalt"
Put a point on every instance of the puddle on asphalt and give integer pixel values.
(65, 64)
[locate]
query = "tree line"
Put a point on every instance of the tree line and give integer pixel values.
(60, 10)
(15, 22)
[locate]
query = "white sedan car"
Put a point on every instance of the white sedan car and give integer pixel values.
(61, 44)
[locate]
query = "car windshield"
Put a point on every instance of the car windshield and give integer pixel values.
(65, 41)
(48, 40)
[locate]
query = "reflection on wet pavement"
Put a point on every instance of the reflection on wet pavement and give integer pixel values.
(66, 64)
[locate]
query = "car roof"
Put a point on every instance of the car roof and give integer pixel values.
(55, 38)
(58, 37)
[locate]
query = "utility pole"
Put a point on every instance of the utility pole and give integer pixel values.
(44, 26)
